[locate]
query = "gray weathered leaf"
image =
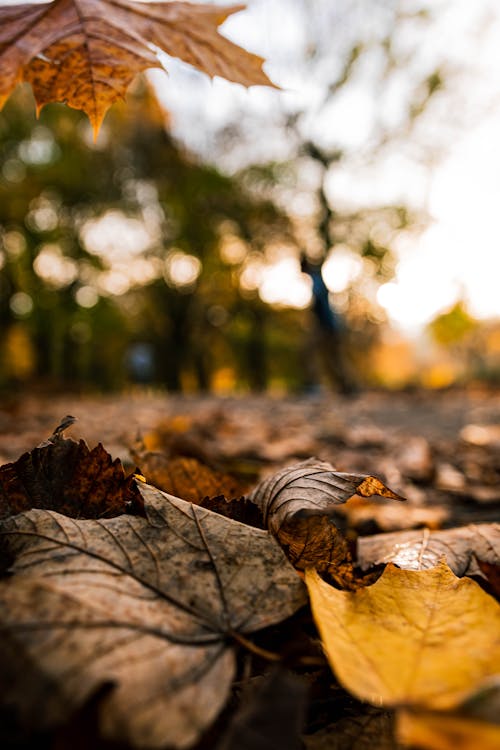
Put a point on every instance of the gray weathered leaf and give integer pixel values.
(311, 488)
(418, 550)
(147, 605)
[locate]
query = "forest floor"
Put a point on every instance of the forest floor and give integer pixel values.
(439, 449)
(115, 419)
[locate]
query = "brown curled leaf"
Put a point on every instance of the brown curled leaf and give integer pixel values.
(298, 503)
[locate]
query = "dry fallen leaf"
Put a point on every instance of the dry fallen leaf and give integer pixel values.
(297, 504)
(86, 52)
(412, 638)
(66, 476)
(418, 550)
(149, 606)
(311, 488)
(187, 477)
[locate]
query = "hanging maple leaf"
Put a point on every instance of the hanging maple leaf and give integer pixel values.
(149, 606)
(86, 52)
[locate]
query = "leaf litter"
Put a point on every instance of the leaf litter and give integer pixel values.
(212, 436)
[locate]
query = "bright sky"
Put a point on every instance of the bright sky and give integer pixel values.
(458, 255)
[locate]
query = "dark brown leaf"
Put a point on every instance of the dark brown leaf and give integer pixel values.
(66, 476)
(315, 542)
(147, 605)
(242, 510)
(491, 572)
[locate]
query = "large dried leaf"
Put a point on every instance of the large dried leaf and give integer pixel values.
(86, 52)
(68, 477)
(297, 504)
(418, 550)
(148, 605)
(413, 638)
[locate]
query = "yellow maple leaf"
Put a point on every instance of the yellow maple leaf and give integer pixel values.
(412, 638)
(86, 52)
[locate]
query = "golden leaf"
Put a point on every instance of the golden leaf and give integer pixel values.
(412, 638)
(433, 730)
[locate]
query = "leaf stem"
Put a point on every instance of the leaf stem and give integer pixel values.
(253, 648)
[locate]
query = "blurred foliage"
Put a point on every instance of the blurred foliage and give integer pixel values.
(471, 346)
(453, 326)
(80, 287)
(131, 260)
